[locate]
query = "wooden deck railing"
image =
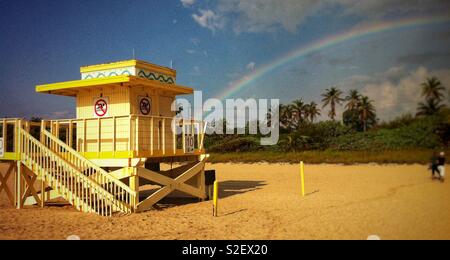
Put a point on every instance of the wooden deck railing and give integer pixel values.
(113, 137)
(9, 134)
(130, 136)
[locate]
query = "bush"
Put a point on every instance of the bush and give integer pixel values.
(236, 144)
(406, 132)
(419, 134)
(322, 134)
(401, 121)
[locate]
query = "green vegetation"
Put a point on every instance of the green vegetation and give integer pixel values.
(359, 138)
(331, 157)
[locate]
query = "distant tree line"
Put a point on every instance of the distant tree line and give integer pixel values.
(360, 111)
(360, 128)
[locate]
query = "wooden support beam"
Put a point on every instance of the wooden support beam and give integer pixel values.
(169, 185)
(18, 183)
(4, 183)
(30, 178)
(137, 141)
(183, 137)
(154, 177)
(152, 129)
(174, 133)
(191, 172)
(120, 174)
(164, 136)
(153, 199)
(134, 185)
(50, 195)
(43, 185)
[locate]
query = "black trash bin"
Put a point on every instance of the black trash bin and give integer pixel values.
(210, 178)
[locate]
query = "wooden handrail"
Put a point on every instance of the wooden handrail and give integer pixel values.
(78, 160)
(78, 189)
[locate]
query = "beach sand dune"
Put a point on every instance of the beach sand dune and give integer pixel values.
(263, 201)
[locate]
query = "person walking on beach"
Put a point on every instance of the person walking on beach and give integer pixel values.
(434, 165)
(441, 166)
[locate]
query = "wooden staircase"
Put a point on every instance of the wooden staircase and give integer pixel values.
(83, 184)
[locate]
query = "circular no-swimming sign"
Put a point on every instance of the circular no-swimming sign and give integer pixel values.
(145, 106)
(101, 107)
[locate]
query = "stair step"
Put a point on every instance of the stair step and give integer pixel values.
(77, 185)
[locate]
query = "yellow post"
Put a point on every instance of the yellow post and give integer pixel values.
(19, 185)
(216, 198)
(18, 151)
(302, 175)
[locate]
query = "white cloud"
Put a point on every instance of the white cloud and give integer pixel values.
(251, 66)
(195, 41)
(195, 71)
(190, 51)
(271, 15)
(396, 91)
(187, 3)
(268, 15)
(209, 19)
(382, 8)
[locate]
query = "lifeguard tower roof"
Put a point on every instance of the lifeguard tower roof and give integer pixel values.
(129, 73)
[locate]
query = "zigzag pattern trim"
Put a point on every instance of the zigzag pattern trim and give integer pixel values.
(111, 74)
(152, 76)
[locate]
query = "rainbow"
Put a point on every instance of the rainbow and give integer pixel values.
(328, 42)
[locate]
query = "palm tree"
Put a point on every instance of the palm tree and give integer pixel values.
(298, 107)
(432, 89)
(366, 110)
(332, 97)
(352, 99)
(312, 111)
(430, 107)
(286, 114)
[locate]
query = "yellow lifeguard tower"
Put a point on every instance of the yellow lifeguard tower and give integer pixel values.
(100, 161)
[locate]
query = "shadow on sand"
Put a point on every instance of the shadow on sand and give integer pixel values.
(231, 188)
(226, 189)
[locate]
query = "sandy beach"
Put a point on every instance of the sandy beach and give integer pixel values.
(263, 201)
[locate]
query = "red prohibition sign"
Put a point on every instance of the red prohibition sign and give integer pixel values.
(145, 106)
(101, 107)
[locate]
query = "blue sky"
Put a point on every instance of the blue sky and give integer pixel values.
(214, 43)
